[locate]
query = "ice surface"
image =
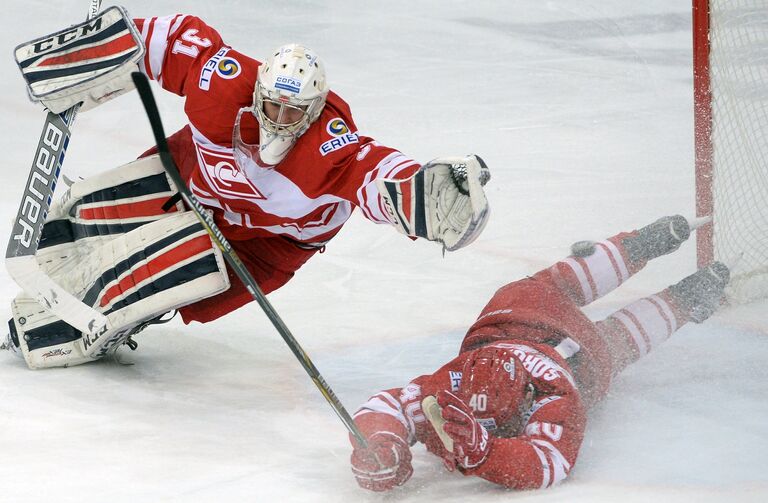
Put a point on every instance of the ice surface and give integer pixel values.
(583, 111)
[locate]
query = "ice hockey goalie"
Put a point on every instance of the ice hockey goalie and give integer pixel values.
(270, 150)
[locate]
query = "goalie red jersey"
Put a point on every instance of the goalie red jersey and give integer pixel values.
(328, 173)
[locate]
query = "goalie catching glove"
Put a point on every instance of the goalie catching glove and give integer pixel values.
(444, 201)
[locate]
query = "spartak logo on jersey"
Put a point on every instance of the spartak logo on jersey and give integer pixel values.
(343, 137)
(224, 178)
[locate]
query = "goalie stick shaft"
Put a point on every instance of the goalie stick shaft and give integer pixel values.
(147, 98)
(33, 210)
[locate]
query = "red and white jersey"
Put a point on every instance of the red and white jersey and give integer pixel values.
(545, 449)
(310, 194)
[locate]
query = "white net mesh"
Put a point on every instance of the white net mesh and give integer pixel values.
(739, 84)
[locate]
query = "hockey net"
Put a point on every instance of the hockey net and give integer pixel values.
(731, 123)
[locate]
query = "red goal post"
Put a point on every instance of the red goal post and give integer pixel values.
(730, 82)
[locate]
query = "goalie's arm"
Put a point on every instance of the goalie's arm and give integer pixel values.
(180, 51)
(444, 201)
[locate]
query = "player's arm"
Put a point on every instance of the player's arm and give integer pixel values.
(177, 49)
(540, 457)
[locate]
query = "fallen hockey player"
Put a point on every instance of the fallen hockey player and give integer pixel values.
(511, 408)
(269, 149)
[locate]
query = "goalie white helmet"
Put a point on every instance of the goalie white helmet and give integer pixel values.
(288, 97)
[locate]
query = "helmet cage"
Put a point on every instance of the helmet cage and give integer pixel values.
(288, 96)
(245, 154)
(309, 110)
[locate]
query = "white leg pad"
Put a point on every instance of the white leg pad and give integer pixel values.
(133, 278)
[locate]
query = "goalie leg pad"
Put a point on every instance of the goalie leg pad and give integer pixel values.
(132, 279)
(99, 209)
(129, 195)
(444, 201)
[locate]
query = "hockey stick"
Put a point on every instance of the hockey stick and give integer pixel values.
(145, 92)
(27, 229)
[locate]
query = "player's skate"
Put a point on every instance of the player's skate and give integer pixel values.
(663, 236)
(701, 292)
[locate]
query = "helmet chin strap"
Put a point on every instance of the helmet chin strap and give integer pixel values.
(273, 148)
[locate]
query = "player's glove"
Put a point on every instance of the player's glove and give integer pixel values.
(471, 442)
(444, 201)
(384, 464)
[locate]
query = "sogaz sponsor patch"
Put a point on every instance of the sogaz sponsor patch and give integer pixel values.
(287, 83)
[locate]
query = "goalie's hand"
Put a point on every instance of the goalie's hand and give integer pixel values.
(444, 201)
(386, 462)
(471, 442)
(459, 207)
(75, 80)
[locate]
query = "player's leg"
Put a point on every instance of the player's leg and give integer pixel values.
(636, 329)
(271, 261)
(132, 279)
(111, 243)
(592, 271)
(182, 150)
(545, 306)
(597, 268)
